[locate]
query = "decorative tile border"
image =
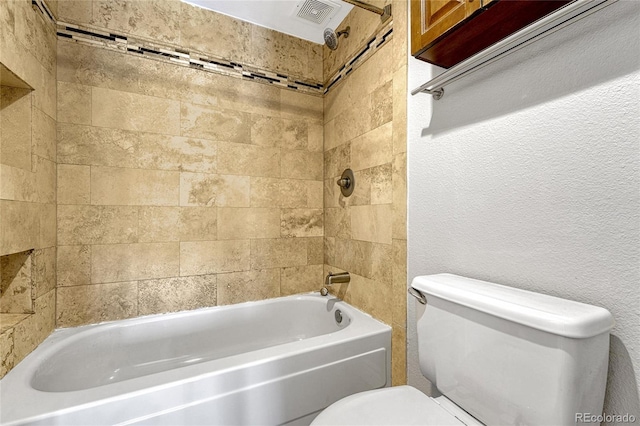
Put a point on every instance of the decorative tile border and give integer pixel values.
(380, 39)
(193, 59)
(42, 7)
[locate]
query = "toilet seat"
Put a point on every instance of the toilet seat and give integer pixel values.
(400, 405)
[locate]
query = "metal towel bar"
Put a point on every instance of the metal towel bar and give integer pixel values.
(539, 29)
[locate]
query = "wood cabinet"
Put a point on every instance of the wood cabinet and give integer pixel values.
(445, 32)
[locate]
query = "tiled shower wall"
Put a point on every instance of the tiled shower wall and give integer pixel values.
(179, 188)
(27, 181)
(365, 130)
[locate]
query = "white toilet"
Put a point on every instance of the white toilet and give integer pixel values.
(499, 356)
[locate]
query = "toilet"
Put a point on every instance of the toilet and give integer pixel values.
(498, 355)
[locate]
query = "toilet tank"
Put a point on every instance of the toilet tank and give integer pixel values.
(510, 356)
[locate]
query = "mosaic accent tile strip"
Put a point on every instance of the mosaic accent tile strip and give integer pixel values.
(192, 59)
(209, 63)
(380, 39)
(42, 7)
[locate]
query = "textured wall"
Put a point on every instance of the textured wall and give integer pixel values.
(179, 188)
(365, 128)
(527, 173)
(27, 182)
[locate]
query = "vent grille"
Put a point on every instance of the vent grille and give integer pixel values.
(315, 11)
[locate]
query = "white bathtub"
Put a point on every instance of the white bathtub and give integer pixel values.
(271, 362)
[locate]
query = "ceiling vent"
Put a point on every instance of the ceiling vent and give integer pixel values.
(316, 11)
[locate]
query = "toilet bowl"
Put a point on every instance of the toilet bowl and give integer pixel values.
(400, 405)
(499, 356)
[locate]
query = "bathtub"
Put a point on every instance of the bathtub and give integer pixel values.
(279, 361)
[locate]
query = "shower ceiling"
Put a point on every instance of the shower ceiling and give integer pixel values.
(305, 19)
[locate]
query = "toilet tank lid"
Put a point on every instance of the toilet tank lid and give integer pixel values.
(554, 315)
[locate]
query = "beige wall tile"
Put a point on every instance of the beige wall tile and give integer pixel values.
(110, 185)
(279, 132)
(380, 179)
(16, 283)
(226, 37)
(17, 184)
(279, 52)
(6, 352)
(45, 180)
(86, 224)
(127, 262)
(400, 39)
(122, 110)
(74, 265)
(302, 165)
(176, 294)
(398, 356)
(301, 279)
(199, 189)
(176, 153)
(337, 222)
(74, 184)
(295, 104)
(241, 287)
(74, 103)
(29, 333)
(354, 256)
(315, 194)
(89, 304)
(15, 126)
(372, 296)
(315, 250)
(382, 104)
(372, 223)
(216, 124)
(248, 160)
(316, 137)
(155, 19)
(43, 135)
(46, 225)
(211, 257)
(122, 148)
(97, 146)
(301, 223)
(44, 270)
(19, 227)
(277, 253)
(75, 11)
(286, 193)
(336, 160)
(246, 223)
(373, 148)
(158, 224)
(400, 196)
(399, 271)
(400, 110)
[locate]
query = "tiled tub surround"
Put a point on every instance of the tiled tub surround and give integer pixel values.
(27, 180)
(206, 189)
(180, 188)
(365, 130)
(203, 367)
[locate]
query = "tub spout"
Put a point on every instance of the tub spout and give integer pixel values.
(342, 277)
